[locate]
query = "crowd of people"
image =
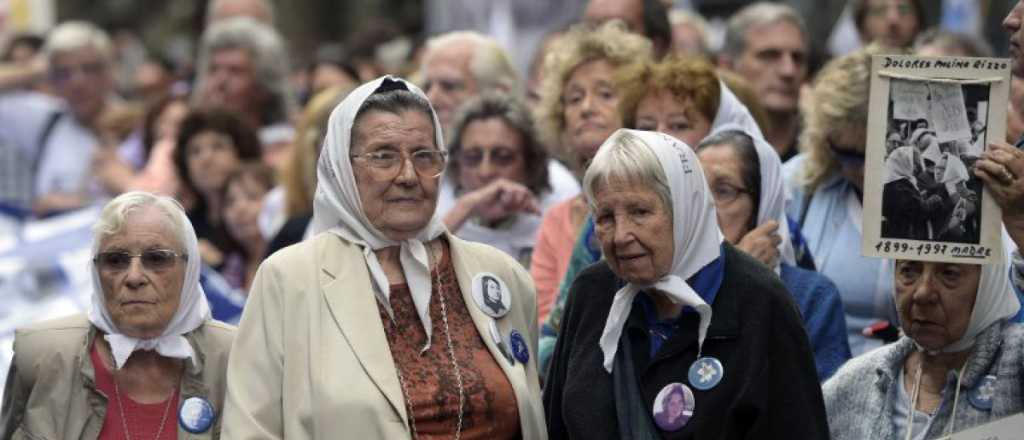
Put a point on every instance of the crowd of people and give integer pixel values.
(642, 239)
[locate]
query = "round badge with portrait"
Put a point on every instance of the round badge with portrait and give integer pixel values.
(491, 294)
(673, 407)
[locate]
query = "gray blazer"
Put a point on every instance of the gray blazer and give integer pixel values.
(858, 398)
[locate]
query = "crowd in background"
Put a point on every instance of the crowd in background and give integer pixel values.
(236, 138)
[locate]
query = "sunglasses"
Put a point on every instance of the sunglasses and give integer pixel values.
(502, 157)
(153, 259)
(846, 156)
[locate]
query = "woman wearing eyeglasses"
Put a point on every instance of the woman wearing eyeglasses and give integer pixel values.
(501, 173)
(826, 182)
(147, 361)
(376, 327)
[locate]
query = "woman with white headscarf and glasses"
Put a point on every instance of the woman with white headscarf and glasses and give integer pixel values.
(745, 177)
(690, 313)
(960, 362)
(147, 361)
(377, 327)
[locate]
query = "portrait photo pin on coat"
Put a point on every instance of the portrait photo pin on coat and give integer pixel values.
(491, 294)
(196, 415)
(705, 373)
(673, 407)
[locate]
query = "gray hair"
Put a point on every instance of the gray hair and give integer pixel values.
(268, 53)
(625, 157)
(114, 215)
(73, 35)
(513, 112)
(686, 17)
(395, 101)
(954, 43)
(490, 65)
(754, 15)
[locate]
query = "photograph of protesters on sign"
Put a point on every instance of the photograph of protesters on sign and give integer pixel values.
(930, 121)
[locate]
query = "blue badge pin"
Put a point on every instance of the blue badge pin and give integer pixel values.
(705, 373)
(498, 342)
(981, 396)
(196, 415)
(519, 348)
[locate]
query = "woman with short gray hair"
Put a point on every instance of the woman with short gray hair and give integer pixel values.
(147, 358)
(673, 307)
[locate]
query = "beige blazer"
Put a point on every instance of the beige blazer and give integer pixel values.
(51, 387)
(311, 359)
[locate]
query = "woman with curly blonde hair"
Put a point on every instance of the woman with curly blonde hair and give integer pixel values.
(578, 111)
(826, 182)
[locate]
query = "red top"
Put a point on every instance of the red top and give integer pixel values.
(143, 419)
(490, 410)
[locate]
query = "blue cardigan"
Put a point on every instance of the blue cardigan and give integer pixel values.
(822, 310)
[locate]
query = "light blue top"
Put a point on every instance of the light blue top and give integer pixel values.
(831, 229)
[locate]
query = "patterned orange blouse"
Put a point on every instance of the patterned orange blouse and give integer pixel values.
(490, 410)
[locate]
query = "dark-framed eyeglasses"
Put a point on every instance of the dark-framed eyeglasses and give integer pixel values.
(473, 157)
(152, 259)
(845, 156)
(388, 163)
(725, 193)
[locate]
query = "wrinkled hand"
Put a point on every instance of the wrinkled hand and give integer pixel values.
(502, 198)
(762, 243)
(1001, 167)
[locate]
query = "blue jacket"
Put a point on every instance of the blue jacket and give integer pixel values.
(822, 310)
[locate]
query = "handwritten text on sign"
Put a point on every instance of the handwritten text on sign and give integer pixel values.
(948, 114)
(909, 99)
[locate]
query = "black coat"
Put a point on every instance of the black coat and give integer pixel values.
(770, 389)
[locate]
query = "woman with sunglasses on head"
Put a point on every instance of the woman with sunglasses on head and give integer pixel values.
(377, 326)
(501, 177)
(826, 183)
(146, 361)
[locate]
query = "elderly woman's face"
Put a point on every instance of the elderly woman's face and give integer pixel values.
(398, 201)
(490, 150)
(662, 111)
(935, 300)
(733, 202)
(634, 228)
(141, 301)
(591, 109)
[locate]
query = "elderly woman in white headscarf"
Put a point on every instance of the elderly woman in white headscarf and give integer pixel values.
(691, 313)
(146, 359)
(377, 327)
(903, 200)
(745, 177)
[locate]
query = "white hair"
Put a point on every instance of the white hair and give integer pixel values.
(73, 35)
(625, 157)
(214, 5)
(269, 56)
(114, 215)
(490, 64)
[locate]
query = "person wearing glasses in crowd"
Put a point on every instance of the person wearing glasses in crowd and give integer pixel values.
(826, 182)
(147, 360)
(376, 327)
(501, 176)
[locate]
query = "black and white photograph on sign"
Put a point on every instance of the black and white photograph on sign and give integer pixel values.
(935, 134)
(929, 122)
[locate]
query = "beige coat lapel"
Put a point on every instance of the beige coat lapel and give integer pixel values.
(467, 265)
(345, 284)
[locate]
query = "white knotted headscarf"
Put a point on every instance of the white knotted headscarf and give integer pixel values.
(193, 310)
(733, 115)
(695, 233)
(901, 165)
(338, 209)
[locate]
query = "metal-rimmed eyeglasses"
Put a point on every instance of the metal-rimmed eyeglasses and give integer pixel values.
(152, 259)
(389, 163)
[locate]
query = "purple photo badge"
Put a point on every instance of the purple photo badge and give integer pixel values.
(673, 407)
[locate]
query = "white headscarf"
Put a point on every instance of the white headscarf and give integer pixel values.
(733, 115)
(338, 209)
(694, 231)
(996, 300)
(900, 165)
(192, 312)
